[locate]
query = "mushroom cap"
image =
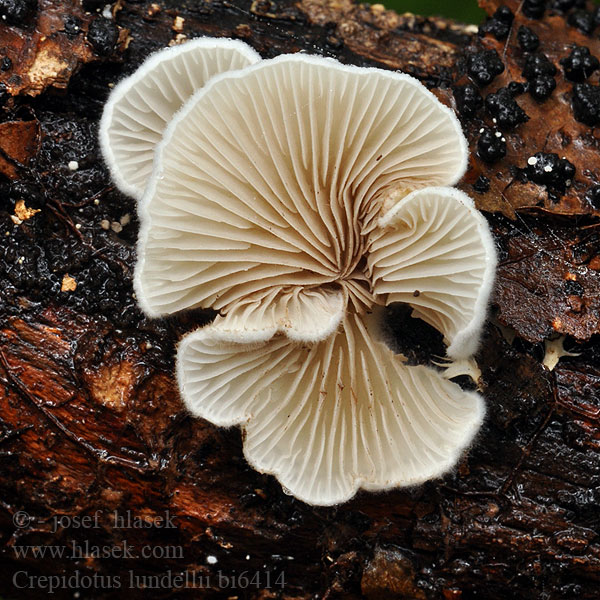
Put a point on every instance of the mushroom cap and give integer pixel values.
(139, 108)
(272, 176)
(332, 417)
(433, 250)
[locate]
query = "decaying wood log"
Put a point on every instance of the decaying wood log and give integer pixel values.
(94, 440)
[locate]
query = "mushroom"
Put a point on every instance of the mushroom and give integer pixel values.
(298, 196)
(141, 105)
(329, 418)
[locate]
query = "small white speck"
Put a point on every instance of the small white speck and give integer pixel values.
(547, 168)
(247, 557)
(111, 85)
(211, 560)
(78, 226)
(568, 182)
(532, 160)
(73, 165)
(76, 595)
(106, 12)
(503, 139)
(494, 120)
(482, 130)
(4, 17)
(96, 201)
(148, 345)
(498, 134)
(20, 261)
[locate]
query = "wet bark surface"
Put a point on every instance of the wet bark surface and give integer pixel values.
(94, 440)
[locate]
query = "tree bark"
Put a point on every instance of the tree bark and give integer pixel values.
(98, 455)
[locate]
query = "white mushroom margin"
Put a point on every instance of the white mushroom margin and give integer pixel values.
(140, 107)
(298, 196)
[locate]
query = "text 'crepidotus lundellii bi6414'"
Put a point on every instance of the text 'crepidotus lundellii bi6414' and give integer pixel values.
(298, 197)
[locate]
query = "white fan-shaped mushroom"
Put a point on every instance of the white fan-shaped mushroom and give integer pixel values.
(270, 176)
(140, 107)
(332, 417)
(433, 250)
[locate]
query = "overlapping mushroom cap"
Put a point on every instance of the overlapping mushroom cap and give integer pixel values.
(297, 196)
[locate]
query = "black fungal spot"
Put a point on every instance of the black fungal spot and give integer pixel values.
(482, 185)
(4, 95)
(468, 99)
(23, 190)
(565, 5)
(536, 65)
(16, 12)
(593, 197)
(582, 20)
(539, 72)
(586, 103)
(516, 88)
(499, 24)
(550, 170)
(504, 108)
(528, 39)
(72, 25)
(484, 66)
(102, 35)
(534, 9)
(6, 64)
(580, 64)
(92, 5)
(491, 147)
(573, 288)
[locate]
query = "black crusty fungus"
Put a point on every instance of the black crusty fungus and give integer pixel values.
(484, 66)
(593, 197)
(29, 192)
(482, 184)
(102, 35)
(534, 9)
(4, 95)
(580, 64)
(542, 87)
(72, 25)
(499, 24)
(5, 64)
(16, 12)
(504, 108)
(566, 5)
(546, 168)
(582, 20)
(573, 288)
(586, 103)
(468, 99)
(92, 5)
(491, 146)
(539, 72)
(528, 39)
(516, 88)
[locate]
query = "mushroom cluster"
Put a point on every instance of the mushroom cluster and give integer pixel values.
(298, 197)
